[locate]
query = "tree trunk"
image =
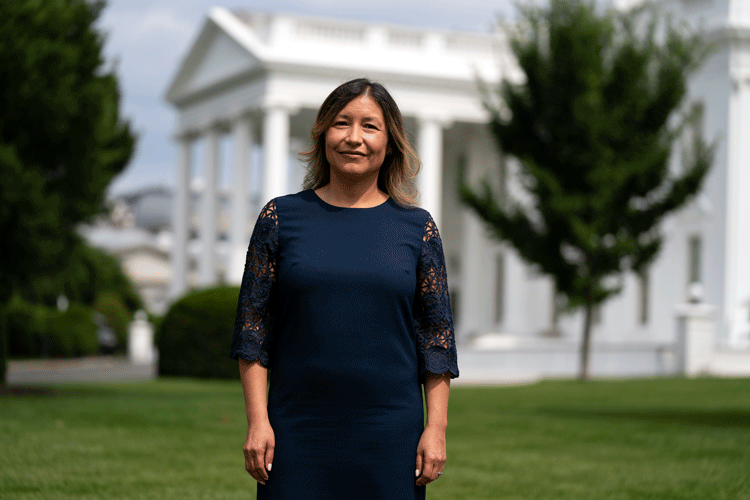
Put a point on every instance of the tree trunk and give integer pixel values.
(583, 375)
(3, 347)
(5, 295)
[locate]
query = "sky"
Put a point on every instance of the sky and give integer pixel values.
(147, 39)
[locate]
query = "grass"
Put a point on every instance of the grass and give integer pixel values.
(181, 439)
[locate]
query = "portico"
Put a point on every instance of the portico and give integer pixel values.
(257, 80)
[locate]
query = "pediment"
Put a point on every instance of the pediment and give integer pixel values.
(214, 58)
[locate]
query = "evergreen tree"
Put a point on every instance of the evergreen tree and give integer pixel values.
(62, 139)
(593, 128)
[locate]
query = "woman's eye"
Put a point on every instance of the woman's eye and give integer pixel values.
(339, 123)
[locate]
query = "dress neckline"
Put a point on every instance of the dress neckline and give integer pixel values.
(328, 205)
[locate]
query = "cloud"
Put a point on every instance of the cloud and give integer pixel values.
(161, 22)
(147, 43)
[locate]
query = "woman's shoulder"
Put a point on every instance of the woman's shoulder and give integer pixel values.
(288, 201)
(415, 214)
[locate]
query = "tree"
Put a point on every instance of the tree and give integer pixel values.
(88, 273)
(593, 128)
(62, 140)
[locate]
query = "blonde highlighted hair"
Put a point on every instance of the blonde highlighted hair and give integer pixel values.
(401, 163)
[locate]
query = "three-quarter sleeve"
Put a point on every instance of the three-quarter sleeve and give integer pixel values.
(436, 346)
(253, 325)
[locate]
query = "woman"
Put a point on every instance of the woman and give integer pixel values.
(344, 298)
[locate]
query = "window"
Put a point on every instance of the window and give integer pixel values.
(499, 287)
(643, 288)
(555, 316)
(693, 133)
(694, 259)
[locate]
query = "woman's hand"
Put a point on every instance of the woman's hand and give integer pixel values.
(258, 449)
(431, 455)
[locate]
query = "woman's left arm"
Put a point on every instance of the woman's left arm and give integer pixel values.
(436, 352)
(431, 452)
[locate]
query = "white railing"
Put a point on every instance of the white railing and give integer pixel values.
(329, 32)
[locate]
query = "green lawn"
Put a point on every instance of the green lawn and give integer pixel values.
(181, 439)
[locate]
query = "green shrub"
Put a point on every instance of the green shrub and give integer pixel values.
(38, 331)
(114, 310)
(82, 276)
(3, 349)
(156, 322)
(26, 326)
(196, 334)
(73, 332)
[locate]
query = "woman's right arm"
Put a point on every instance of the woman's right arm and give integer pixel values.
(260, 441)
(252, 337)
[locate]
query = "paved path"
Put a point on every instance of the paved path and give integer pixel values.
(117, 368)
(90, 369)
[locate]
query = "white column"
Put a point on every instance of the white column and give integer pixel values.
(207, 263)
(473, 277)
(180, 217)
(737, 296)
(475, 281)
(275, 152)
(430, 178)
(243, 140)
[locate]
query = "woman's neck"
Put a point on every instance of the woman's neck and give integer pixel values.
(351, 195)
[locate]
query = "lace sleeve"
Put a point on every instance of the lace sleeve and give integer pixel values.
(253, 325)
(436, 346)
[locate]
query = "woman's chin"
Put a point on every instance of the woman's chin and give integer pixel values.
(357, 172)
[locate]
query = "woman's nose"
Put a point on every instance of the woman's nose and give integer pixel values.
(355, 134)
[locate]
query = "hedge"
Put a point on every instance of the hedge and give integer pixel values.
(111, 305)
(196, 334)
(38, 331)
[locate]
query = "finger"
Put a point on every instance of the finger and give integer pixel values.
(252, 460)
(418, 470)
(269, 456)
(430, 469)
(439, 468)
(258, 459)
(426, 476)
(250, 463)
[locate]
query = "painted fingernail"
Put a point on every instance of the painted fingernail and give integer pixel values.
(269, 467)
(416, 473)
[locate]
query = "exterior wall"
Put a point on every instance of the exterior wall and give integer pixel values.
(493, 290)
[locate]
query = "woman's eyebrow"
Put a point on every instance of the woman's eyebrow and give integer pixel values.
(371, 119)
(368, 118)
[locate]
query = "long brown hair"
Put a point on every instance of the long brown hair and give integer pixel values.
(400, 166)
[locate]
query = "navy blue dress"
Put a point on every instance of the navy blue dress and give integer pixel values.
(348, 308)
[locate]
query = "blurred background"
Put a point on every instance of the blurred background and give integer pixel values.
(220, 101)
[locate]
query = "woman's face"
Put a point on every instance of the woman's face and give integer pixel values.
(357, 140)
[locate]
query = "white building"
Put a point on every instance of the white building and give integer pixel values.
(260, 78)
(137, 231)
